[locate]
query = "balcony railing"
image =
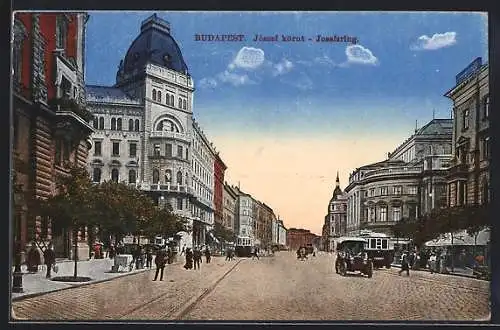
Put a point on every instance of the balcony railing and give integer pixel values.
(170, 135)
(393, 171)
(167, 187)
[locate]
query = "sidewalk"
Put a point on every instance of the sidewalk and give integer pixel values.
(464, 272)
(97, 269)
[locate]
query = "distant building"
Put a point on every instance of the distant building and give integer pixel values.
(300, 237)
(336, 218)
(282, 235)
(219, 169)
(469, 175)
(263, 225)
(245, 218)
(230, 198)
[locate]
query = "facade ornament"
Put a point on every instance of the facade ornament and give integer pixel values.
(38, 73)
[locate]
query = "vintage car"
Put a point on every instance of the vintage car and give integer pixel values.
(352, 257)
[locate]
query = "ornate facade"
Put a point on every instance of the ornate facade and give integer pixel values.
(469, 176)
(50, 123)
(336, 218)
(146, 134)
(409, 183)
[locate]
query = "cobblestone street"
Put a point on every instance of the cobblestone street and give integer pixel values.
(272, 288)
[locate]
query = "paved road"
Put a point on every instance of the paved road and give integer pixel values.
(274, 288)
(284, 288)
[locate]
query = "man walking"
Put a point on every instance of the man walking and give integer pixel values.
(207, 254)
(160, 262)
(149, 258)
(50, 258)
(405, 266)
(197, 258)
(255, 253)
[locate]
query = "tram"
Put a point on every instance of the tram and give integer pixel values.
(244, 246)
(379, 248)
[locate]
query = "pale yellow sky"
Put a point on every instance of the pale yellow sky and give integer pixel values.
(295, 176)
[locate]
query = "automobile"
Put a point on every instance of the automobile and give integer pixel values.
(352, 257)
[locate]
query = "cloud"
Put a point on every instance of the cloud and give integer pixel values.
(248, 58)
(324, 60)
(208, 83)
(437, 41)
(282, 67)
(360, 55)
(234, 78)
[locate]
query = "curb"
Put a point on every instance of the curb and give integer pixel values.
(197, 298)
(449, 273)
(36, 294)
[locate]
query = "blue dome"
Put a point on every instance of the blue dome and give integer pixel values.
(154, 45)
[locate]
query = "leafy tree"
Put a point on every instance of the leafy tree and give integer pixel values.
(223, 233)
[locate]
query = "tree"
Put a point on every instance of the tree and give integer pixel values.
(223, 233)
(72, 207)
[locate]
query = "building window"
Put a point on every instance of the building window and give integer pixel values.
(96, 175)
(397, 190)
(168, 150)
(159, 96)
(485, 148)
(179, 203)
(179, 177)
(412, 190)
(132, 150)
(372, 192)
(167, 98)
(486, 107)
(116, 149)
(396, 213)
(97, 148)
(137, 125)
(154, 94)
(156, 150)
(96, 123)
(184, 104)
(113, 124)
(383, 191)
(131, 176)
(465, 119)
(130, 125)
(172, 102)
(156, 176)
(187, 154)
(119, 124)
(372, 214)
(179, 105)
(114, 175)
(168, 176)
(179, 151)
(61, 31)
(383, 213)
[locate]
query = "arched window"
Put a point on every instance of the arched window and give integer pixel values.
(168, 176)
(179, 177)
(113, 123)
(154, 94)
(167, 98)
(101, 122)
(180, 103)
(159, 96)
(184, 104)
(156, 176)
(131, 176)
(137, 125)
(172, 101)
(114, 175)
(159, 127)
(130, 125)
(96, 176)
(119, 124)
(96, 123)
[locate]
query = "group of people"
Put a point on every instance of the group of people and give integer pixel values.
(34, 259)
(194, 256)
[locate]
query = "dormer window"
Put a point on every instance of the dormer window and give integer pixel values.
(167, 59)
(61, 31)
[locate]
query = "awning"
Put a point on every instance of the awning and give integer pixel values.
(461, 238)
(213, 237)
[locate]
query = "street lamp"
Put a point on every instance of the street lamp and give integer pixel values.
(17, 277)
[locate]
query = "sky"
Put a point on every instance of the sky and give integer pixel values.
(287, 115)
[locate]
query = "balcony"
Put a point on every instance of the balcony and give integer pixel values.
(458, 170)
(167, 188)
(171, 135)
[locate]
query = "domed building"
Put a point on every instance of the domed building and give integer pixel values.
(145, 132)
(335, 220)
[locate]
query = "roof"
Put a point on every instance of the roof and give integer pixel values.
(437, 127)
(154, 45)
(105, 92)
(349, 239)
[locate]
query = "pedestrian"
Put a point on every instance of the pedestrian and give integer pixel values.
(34, 259)
(149, 258)
(255, 253)
(160, 261)
(183, 249)
(137, 257)
(207, 254)
(197, 258)
(189, 259)
(50, 259)
(405, 266)
(112, 251)
(228, 254)
(432, 262)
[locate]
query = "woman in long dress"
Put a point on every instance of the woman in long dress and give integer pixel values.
(189, 259)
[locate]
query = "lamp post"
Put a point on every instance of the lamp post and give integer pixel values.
(17, 276)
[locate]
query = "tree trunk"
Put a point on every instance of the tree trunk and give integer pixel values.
(75, 254)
